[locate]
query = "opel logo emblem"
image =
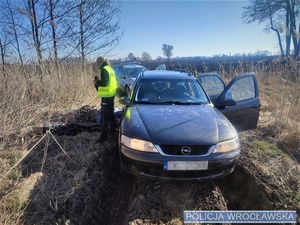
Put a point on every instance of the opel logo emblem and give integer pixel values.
(185, 150)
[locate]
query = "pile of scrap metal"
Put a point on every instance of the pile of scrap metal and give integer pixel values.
(84, 115)
(73, 128)
(86, 119)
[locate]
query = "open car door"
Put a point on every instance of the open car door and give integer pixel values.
(212, 83)
(239, 101)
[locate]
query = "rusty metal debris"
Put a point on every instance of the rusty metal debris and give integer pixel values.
(86, 114)
(85, 119)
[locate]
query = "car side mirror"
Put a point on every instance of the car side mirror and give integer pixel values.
(224, 103)
(125, 101)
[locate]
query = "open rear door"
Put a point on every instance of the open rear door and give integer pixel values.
(243, 89)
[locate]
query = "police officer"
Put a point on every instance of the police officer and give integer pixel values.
(106, 86)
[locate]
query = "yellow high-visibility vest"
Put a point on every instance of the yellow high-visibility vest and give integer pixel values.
(111, 88)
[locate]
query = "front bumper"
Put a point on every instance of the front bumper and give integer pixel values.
(151, 165)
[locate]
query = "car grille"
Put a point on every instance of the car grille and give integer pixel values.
(177, 149)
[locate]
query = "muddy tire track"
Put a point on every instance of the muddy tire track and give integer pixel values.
(91, 204)
(114, 198)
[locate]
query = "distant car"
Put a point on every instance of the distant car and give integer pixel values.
(170, 129)
(126, 74)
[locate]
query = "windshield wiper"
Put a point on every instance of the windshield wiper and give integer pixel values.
(176, 102)
(170, 102)
(145, 102)
(183, 103)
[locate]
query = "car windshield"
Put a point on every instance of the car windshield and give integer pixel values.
(170, 92)
(134, 71)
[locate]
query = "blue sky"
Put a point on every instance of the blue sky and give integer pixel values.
(193, 28)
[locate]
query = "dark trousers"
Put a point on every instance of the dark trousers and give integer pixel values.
(108, 123)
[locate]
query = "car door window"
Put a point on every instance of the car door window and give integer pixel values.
(212, 84)
(242, 89)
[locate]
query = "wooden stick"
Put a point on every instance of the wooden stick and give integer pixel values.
(22, 158)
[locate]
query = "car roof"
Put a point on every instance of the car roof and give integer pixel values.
(151, 74)
(126, 64)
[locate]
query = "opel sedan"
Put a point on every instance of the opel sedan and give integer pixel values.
(171, 129)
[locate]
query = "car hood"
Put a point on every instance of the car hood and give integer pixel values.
(177, 124)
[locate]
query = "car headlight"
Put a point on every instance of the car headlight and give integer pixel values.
(137, 144)
(227, 146)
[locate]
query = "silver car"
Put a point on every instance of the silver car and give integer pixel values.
(126, 73)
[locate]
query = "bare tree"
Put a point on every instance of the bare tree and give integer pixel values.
(52, 6)
(36, 32)
(3, 46)
(280, 16)
(17, 35)
(2, 49)
(131, 57)
(57, 29)
(167, 50)
(59, 12)
(96, 27)
(8, 33)
(146, 56)
(61, 25)
(293, 7)
(11, 34)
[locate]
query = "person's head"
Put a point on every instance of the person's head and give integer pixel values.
(100, 60)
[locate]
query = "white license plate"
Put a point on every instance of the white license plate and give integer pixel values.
(186, 165)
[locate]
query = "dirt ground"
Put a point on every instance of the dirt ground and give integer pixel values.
(83, 185)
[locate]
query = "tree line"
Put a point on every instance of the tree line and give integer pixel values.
(167, 51)
(54, 30)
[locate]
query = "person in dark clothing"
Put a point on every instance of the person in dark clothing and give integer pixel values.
(106, 86)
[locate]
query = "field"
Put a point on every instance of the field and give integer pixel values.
(68, 178)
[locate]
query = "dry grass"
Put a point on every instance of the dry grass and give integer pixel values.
(25, 101)
(14, 203)
(274, 168)
(281, 110)
(41, 196)
(279, 89)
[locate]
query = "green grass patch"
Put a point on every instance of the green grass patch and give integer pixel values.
(266, 149)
